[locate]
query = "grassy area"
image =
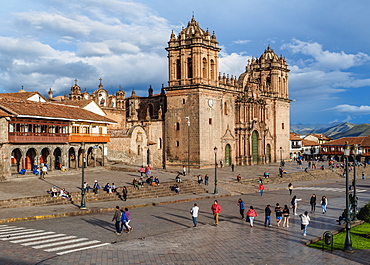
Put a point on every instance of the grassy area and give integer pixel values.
(360, 236)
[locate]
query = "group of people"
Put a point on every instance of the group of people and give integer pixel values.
(122, 219)
(62, 192)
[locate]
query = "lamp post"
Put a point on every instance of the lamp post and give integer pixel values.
(356, 151)
(215, 191)
(83, 203)
(188, 122)
(348, 241)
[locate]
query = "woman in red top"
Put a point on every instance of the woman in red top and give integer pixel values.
(251, 214)
(216, 209)
(261, 188)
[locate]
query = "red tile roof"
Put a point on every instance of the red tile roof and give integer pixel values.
(20, 95)
(309, 143)
(49, 110)
(295, 137)
(362, 141)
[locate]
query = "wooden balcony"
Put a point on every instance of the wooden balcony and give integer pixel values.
(26, 137)
(89, 138)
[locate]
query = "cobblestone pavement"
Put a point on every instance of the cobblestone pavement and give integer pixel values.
(164, 234)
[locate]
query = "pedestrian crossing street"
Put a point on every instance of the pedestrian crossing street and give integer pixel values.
(47, 241)
(326, 189)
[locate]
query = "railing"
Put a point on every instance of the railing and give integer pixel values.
(89, 138)
(29, 137)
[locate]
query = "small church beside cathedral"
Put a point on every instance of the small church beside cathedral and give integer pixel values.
(200, 115)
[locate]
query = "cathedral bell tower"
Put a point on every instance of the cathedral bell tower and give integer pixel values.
(200, 114)
(193, 57)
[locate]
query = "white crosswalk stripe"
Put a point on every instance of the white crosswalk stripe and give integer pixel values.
(326, 189)
(47, 240)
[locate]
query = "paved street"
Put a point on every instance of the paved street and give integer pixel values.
(164, 234)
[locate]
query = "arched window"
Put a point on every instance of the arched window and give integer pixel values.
(177, 126)
(190, 68)
(178, 69)
(177, 143)
(159, 143)
(213, 70)
(205, 68)
(226, 110)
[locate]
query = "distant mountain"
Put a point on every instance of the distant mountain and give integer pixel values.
(307, 128)
(355, 131)
(337, 129)
(334, 131)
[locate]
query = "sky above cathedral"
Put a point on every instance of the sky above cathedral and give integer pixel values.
(49, 43)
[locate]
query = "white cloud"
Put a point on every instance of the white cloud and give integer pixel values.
(326, 59)
(354, 110)
(241, 41)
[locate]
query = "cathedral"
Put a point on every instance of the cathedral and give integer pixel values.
(201, 117)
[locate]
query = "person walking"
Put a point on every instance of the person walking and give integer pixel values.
(313, 203)
(324, 204)
(117, 220)
(286, 216)
(232, 167)
(268, 215)
(124, 222)
(251, 214)
(241, 207)
(206, 180)
(279, 214)
(44, 171)
(294, 203)
(290, 188)
(261, 188)
(96, 187)
(124, 193)
(305, 221)
(194, 214)
(128, 216)
(216, 209)
(183, 170)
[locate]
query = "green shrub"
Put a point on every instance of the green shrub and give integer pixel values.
(364, 213)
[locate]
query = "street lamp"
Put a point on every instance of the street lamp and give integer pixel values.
(348, 241)
(356, 151)
(83, 203)
(188, 122)
(215, 191)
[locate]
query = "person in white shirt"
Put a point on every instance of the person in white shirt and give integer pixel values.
(194, 214)
(44, 171)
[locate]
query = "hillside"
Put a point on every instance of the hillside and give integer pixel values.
(328, 130)
(357, 130)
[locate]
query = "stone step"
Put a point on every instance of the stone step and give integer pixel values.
(163, 190)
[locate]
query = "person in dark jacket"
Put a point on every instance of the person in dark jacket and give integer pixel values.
(313, 203)
(117, 220)
(268, 215)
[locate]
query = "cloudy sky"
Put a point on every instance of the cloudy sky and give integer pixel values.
(49, 43)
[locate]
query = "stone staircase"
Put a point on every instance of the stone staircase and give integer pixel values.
(162, 190)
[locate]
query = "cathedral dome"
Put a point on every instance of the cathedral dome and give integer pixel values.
(269, 55)
(193, 29)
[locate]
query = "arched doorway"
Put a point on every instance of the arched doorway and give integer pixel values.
(16, 160)
(90, 157)
(227, 155)
(57, 158)
(72, 158)
(44, 155)
(30, 159)
(255, 147)
(268, 153)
